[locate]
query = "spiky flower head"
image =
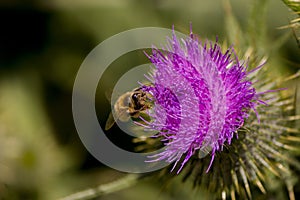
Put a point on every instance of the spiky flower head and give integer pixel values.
(196, 89)
(202, 98)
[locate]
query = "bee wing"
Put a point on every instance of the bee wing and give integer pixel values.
(110, 121)
(121, 115)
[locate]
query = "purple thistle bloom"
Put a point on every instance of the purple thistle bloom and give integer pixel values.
(202, 97)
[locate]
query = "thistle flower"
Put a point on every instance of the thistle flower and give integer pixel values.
(205, 100)
(204, 97)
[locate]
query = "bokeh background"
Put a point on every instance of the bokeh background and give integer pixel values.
(42, 45)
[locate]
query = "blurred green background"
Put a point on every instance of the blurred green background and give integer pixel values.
(42, 45)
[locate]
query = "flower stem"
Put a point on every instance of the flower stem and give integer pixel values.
(107, 188)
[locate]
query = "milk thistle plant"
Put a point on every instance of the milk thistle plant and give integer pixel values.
(226, 125)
